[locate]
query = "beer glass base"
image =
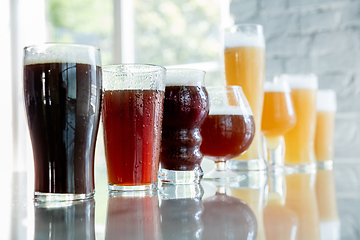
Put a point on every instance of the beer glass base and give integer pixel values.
(180, 177)
(299, 168)
(222, 176)
(325, 165)
(61, 197)
(181, 191)
(147, 187)
(247, 165)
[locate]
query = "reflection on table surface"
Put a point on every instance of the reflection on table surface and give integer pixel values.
(260, 206)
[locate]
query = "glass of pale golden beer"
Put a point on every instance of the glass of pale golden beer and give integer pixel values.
(325, 124)
(278, 117)
(244, 57)
(299, 141)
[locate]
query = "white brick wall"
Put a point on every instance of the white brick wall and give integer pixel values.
(323, 37)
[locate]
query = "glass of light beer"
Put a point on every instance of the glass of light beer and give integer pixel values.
(278, 117)
(227, 131)
(325, 124)
(299, 141)
(132, 116)
(62, 92)
(245, 66)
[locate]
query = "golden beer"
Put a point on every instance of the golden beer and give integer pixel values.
(299, 141)
(245, 66)
(325, 124)
(278, 115)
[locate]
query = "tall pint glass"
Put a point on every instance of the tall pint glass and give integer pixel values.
(132, 116)
(325, 124)
(62, 91)
(299, 141)
(245, 66)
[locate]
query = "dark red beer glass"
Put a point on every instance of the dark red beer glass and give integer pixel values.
(132, 117)
(186, 105)
(62, 91)
(228, 130)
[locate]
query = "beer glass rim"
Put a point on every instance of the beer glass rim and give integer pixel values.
(244, 103)
(127, 67)
(236, 27)
(50, 44)
(300, 81)
(185, 77)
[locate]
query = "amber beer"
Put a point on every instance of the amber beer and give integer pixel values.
(325, 123)
(299, 141)
(278, 112)
(245, 66)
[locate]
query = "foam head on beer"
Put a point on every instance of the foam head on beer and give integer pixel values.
(184, 77)
(61, 53)
(278, 85)
(248, 37)
(326, 100)
(222, 103)
(300, 81)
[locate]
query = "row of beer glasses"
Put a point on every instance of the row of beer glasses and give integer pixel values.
(145, 119)
(284, 108)
(63, 93)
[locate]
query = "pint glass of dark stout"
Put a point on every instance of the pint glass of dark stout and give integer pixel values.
(62, 91)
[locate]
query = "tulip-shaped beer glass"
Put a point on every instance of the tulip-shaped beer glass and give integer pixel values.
(278, 117)
(228, 130)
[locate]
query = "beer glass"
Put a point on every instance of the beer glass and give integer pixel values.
(278, 117)
(245, 66)
(186, 105)
(325, 124)
(132, 117)
(62, 91)
(299, 141)
(228, 130)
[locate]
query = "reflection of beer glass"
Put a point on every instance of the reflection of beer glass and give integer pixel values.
(301, 198)
(299, 141)
(325, 123)
(227, 217)
(251, 191)
(326, 202)
(245, 66)
(186, 105)
(228, 129)
(278, 117)
(180, 211)
(62, 91)
(66, 220)
(132, 116)
(280, 223)
(133, 215)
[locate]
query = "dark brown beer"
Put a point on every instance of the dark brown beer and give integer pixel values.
(185, 108)
(63, 103)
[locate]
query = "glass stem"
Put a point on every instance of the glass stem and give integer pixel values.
(220, 165)
(276, 155)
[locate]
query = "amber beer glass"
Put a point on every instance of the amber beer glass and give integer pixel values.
(278, 117)
(299, 141)
(62, 91)
(325, 124)
(245, 66)
(132, 116)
